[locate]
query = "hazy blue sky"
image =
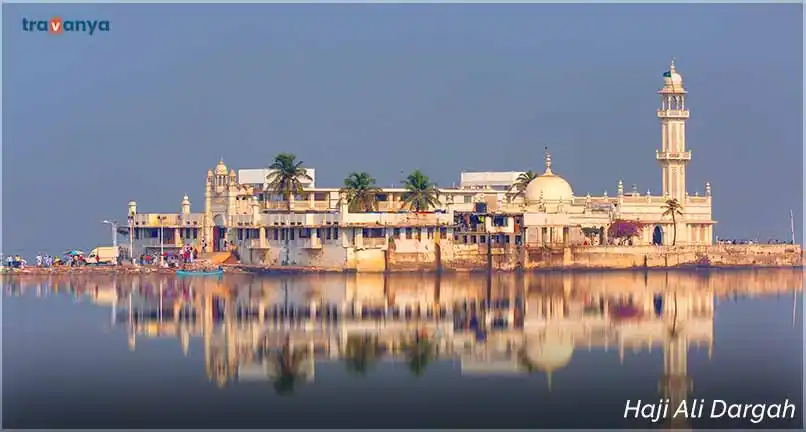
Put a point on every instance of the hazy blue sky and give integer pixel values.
(141, 112)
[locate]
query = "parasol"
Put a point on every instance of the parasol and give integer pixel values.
(74, 252)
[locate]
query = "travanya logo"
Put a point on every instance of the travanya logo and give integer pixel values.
(57, 25)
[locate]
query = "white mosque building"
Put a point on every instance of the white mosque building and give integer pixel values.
(239, 210)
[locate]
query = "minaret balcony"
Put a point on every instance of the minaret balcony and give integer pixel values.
(673, 156)
(673, 114)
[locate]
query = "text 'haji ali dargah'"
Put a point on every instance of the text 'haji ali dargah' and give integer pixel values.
(525, 220)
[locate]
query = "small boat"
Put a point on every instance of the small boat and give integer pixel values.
(218, 272)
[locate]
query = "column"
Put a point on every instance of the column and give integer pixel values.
(178, 237)
(262, 236)
(311, 200)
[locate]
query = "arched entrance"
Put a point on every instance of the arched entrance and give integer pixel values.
(602, 236)
(657, 236)
(219, 233)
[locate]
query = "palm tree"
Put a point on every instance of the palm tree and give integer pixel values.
(523, 180)
(420, 194)
(673, 208)
(287, 362)
(286, 175)
(420, 351)
(361, 354)
(362, 194)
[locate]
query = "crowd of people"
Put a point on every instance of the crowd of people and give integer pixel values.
(187, 255)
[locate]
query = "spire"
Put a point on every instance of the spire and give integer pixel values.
(672, 68)
(548, 162)
(620, 189)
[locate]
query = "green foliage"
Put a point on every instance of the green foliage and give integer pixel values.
(421, 194)
(361, 192)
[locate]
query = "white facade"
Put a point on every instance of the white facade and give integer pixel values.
(488, 180)
(257, 177)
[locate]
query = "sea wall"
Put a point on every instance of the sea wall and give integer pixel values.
(413, 255)
(462, 257)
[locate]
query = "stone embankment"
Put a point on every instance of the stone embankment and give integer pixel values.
(462, 258)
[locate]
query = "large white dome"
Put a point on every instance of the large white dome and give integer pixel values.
(548, 187)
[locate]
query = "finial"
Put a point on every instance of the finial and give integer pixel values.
(707, 188)
(605, 194)
(548, 162)
(648, 192)
(671, 66)
(620, 189)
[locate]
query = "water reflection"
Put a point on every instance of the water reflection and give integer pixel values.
(277, 329)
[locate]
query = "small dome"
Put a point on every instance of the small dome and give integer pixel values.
(221, 169)
(548, 187)
(550, 355)
(672, 78)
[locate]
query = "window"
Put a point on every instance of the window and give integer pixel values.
(335, 233)
(291, 234)
(304, 233)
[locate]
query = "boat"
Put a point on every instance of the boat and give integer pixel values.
(218, 272)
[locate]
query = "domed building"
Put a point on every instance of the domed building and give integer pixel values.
(548, 188)
(314, 226)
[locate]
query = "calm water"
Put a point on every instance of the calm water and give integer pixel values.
(404, 351)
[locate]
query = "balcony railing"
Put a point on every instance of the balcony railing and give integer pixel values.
(312, 243)
(673, 156)
(256, 244)
(673, 113)
(374, 242)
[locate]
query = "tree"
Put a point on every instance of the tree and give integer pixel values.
(362, 194)
(523, 180)
(624, 230)
(361, 354)
(420, 351)
(286, 175)
(420, 194)
(673, 208)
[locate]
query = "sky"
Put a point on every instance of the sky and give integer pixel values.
(141, 112)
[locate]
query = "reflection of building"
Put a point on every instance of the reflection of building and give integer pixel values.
(519, 324)
(512, 324)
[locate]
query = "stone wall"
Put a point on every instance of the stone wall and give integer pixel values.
(412, 255)
(480, 257)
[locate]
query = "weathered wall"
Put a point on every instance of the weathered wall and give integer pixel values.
(413, 255)
(408, 255)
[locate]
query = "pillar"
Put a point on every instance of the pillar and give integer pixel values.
(262, 236)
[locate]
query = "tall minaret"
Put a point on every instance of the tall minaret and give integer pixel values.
(673, 114)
